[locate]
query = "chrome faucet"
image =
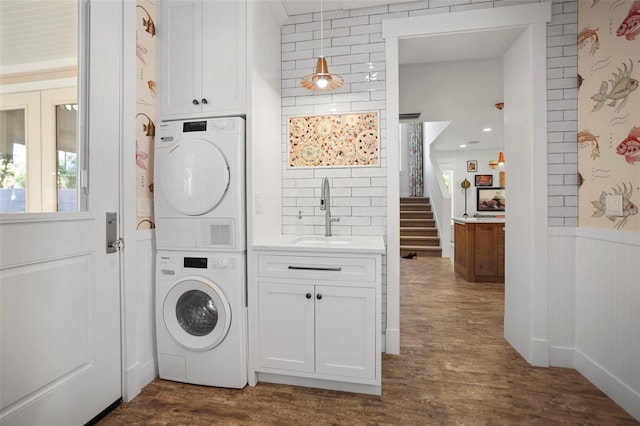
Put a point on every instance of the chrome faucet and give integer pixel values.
(325, 204)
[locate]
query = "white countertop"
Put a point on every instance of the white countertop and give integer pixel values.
(319, 243)
(479, 220)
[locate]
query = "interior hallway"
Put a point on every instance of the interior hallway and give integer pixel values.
(454, 368)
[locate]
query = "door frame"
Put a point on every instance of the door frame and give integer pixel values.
(533, 16)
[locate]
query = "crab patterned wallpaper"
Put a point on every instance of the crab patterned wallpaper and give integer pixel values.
(339, 140)
(609, 113)
(145, 110)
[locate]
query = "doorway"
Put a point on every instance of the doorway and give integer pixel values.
(525, 303)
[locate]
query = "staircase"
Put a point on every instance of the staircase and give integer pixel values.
(418, 232)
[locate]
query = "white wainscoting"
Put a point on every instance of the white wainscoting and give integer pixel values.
(562, 267)
(607, 313)
(594, 309)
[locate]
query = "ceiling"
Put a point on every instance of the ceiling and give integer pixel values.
(36, 32)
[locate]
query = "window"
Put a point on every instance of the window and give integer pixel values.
(39, 163)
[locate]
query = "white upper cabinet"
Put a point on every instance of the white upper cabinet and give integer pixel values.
(202, 58)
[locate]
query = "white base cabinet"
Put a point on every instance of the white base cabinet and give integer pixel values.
(318, 318)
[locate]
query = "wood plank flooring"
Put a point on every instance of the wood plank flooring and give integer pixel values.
(455, 368)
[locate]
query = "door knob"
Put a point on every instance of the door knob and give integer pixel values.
(319, 296)
(204, 101)
(195, 102)
(308, 295)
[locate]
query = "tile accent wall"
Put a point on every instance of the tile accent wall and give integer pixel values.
(562, 114)
(355, 49)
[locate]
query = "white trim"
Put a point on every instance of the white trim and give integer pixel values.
(562, 357)
(608, 383)
(393, 200)
(130, 285)
(468, 20)
(534, 16)
(619, 237)
(39, 66)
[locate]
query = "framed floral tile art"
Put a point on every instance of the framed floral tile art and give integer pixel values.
(337, 140)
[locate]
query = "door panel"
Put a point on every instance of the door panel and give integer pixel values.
(59, 290)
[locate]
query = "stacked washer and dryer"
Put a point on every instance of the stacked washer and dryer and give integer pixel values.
(201, 308)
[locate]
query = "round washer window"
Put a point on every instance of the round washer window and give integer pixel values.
(196, 313)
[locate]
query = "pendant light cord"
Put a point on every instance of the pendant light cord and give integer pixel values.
(321, 32)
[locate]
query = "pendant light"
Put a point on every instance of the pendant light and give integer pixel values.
(322, 79)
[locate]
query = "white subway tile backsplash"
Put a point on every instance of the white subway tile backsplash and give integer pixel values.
(367, 29)
(350, 40)
(350, 22)
(366, 11)
(373, 19)
(351, 182)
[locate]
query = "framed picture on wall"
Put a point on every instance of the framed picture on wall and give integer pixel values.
(491, 200)
(484, 180)
(472, 166)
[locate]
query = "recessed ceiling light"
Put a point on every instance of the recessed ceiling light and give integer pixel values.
(486, 129)
(463, 146)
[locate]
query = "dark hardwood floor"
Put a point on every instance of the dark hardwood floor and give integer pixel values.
(455, 368)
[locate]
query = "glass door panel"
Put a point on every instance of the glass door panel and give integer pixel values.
(67, 157)
(13, 161)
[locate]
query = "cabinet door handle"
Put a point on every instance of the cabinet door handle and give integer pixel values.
(308, 295)
(319, 296)
(204, 101)
(315, 268)
(195, 102)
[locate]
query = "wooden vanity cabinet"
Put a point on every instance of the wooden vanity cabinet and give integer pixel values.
(479, 251)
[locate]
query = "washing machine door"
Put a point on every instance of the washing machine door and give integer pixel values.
(197, 313)
(195, 176)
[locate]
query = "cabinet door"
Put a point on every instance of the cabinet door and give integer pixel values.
(346, 331)
(286, 315)
(501, 249)
(486, 250)
(224, 59)
(180, 51)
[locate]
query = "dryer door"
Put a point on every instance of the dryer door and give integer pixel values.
(195, 176)
(196, 313)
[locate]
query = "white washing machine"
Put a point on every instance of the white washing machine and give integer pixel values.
(199, 187)
(201, 318)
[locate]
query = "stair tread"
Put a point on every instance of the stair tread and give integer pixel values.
(418, 228)
(425, 248)
(419, 237)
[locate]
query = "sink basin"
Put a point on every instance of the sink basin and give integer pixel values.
(319, 240)
(319, 243)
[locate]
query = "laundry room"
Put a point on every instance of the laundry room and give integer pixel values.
(201, 221)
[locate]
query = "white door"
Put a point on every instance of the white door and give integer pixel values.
(59, 289)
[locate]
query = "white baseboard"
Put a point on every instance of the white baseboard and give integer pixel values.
(131, 382)
(562, 357)
(392, 341)
(148, 372)
(138, 376)
(540, 352)
(612, 386)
